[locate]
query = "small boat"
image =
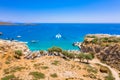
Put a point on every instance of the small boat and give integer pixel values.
(33, 41)
(18, 36)
(58, 36)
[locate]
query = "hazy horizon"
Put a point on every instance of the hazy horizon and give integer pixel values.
(60, 11)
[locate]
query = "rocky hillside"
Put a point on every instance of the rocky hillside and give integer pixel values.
(45, 67)
(105, 47)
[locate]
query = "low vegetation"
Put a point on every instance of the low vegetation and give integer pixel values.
(54, 75)
(13, 69)
(55, 63)
(86, 56)
(9, 77)
(37, 75)
(55, 49)
(68, 54)
(18, 54)
(44, 67)
(91, 69)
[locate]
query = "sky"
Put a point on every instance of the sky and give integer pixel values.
(60, 11)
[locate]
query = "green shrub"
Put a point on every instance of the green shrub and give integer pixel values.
(55, 49)
(7, 62)
(54, 75)
(18, 54)
(68, 54)
(13, 69)
(37, 75)
(91, 36)
(9, 77)
(91, 69)
(109, 77)
(41, 51)
(65, 53)
(104, 39)
(81, 56)
(94, 40)
(88, 57)
(55, 62)
(44, 67)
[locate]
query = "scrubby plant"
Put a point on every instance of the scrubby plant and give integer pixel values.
(18, 54)
(81, 56)
(91, 69)
(65, 53)
(54, 75)
(91, 36)
(13, 69)
(95, 40)
(55, 62)
(9, 77)
(37, 75)
(55, 49)
(68, 54)
(88, 57)
(44, 67)
(7, 62)
(41, 52)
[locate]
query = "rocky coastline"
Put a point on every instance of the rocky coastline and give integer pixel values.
(106, 48)
(17, 59)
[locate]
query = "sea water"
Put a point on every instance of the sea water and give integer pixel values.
(43, 36)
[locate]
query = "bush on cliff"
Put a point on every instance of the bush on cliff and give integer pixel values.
(68, 54)
(94, 40)
(18, 54)
(81, 56)
(41, 52)
(55, 49)
(88, 57)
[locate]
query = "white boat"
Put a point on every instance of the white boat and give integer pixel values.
(18, 36)
(34, 41)
(58, 36)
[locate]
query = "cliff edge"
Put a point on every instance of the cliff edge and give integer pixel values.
(105, 47)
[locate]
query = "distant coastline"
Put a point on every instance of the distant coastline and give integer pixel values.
(10, 23)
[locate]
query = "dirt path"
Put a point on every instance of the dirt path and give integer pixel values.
(114, 73)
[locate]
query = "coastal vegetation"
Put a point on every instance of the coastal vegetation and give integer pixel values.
(9, 77)
(54, 75)
(83, 56)
(55, 49)
(18, 54)
(37, 75)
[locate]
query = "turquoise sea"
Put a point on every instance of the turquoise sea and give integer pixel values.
(43, 36)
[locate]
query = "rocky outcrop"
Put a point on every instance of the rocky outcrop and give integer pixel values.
(105, 47)
(6, 45)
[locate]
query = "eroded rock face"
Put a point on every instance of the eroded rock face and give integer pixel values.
(105, 47)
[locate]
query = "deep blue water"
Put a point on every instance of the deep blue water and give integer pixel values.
(45, 34)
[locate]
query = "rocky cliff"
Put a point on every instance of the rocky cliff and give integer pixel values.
(105, 47)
